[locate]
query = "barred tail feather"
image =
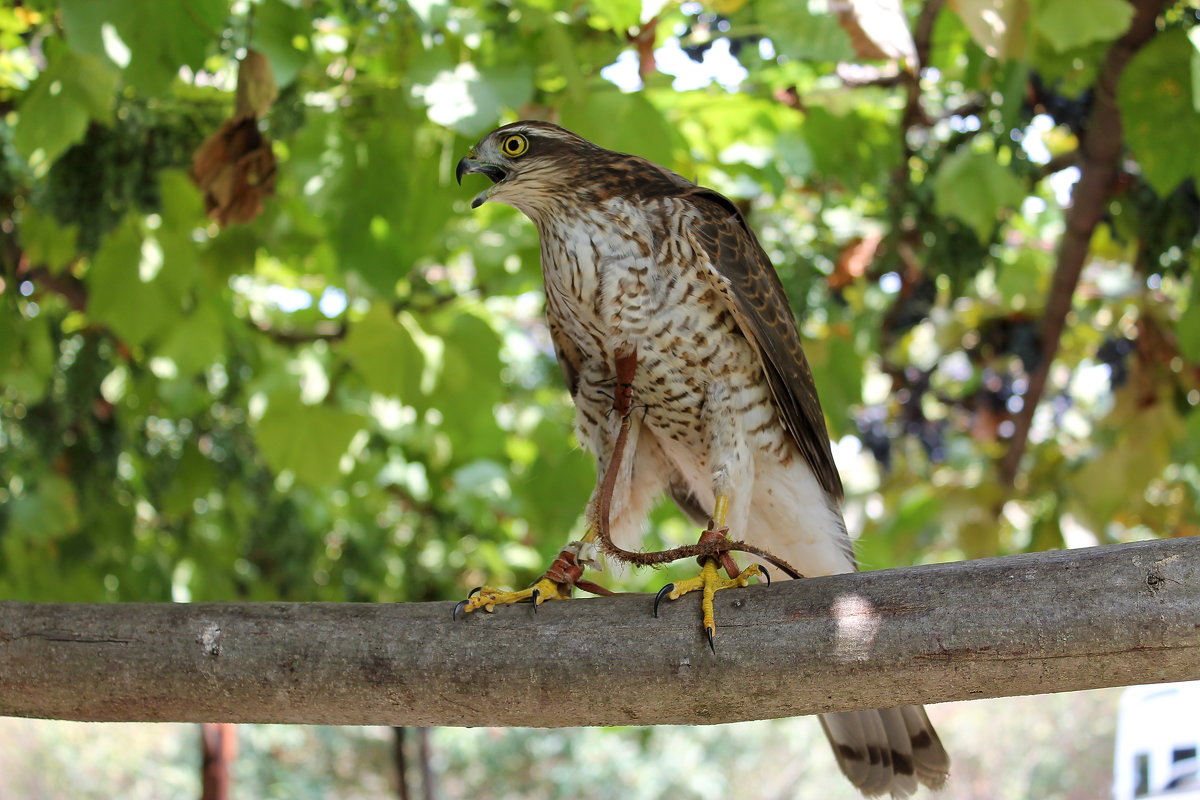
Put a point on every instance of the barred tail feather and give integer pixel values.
(887, 751)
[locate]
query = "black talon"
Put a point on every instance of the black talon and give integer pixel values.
(457, 608)
(763, 571)
(663, 592)
(534, 599)
(709, 632)
(474, 592)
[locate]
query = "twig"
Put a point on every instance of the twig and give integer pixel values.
(64, 285)
(1099, 154)
(319, 333)
(643, 42)
(1060, 162)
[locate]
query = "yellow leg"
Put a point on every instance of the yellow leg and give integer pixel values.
(544, 589)
(720, 511)
(709, 580)
(487, 598)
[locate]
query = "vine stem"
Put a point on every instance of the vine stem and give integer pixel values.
(1099, 155)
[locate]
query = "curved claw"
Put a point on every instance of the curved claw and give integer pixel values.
(663, 592)
(474, 592)
(459, 607)
(534, 599)
(710, 633)
(763, 571)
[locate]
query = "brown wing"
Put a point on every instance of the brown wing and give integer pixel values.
(761, 309)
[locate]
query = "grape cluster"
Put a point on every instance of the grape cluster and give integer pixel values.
(1016, 334)
(1064, 110)
(1167, 227)
(115, 170)
(704, 29)
(1114, 352)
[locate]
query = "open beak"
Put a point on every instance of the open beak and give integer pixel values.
(468, 165)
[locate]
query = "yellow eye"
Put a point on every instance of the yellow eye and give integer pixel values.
(514, 145)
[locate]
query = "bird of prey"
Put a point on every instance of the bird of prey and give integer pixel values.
(657, 288)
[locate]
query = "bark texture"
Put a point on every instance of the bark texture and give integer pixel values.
(1099, 165)
(1030, 624)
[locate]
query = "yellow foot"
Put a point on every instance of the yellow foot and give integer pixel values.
(710, 582)
(487, 598)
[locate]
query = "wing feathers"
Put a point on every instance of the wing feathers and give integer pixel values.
(747, 278)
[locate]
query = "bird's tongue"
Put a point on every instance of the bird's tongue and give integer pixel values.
(495, 174)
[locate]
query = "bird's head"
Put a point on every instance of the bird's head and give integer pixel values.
(530, 164)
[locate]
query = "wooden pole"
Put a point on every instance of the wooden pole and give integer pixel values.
(1028, 624)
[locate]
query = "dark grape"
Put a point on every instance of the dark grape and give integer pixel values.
(1070, 111)
(1115, 353)
(115, 169)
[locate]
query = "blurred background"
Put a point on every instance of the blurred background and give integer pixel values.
(1058, 746)
(254, 345)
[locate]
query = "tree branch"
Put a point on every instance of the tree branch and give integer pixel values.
(1058, 163)
(1099, 153)
(1048, 622)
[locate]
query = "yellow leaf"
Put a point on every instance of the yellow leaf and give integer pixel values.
(998, 26)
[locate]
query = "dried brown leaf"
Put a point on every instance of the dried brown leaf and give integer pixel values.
(256, 89)
(235, 169)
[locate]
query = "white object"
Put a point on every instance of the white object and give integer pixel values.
(1158, 743)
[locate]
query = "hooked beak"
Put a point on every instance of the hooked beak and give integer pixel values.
(468, 165)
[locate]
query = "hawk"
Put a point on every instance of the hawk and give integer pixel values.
(657, 289)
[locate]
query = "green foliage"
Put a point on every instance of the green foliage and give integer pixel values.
(74, 89)
(1066, 28)
(155, 39)
(1156, 96)
(974, 188)
(353, 396)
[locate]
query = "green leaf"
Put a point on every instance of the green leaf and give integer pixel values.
(26, 356)
(196, 343)
(1066, 26)
(308, 441)
(182, 213)
(800, 34)
(999, 27)
(278, 28)
(621, 15)
(556, 486)
(1113, 479)
(384, 353)
(194, 478)
(46, 242)
(73, 91)
(125, 291)
(837, 372)
(469, 386)
(856, 148)
(1022, 277)
(470, 100)
(627, 123)
(47, 510)
(974, 188)
(392, 201)
(1189, 326)
(1191, 438)
(895, 538)
(1194, 38)
(1161, 123)
(158, 38)
(794, 154)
